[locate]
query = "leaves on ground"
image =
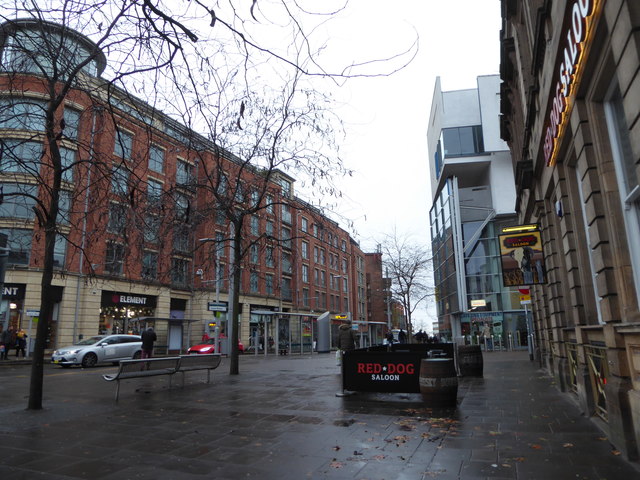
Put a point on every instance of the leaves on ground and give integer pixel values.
(567, 445)
(616, 452)
(535, 446)
(336, 464)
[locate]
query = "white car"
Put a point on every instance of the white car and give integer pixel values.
(99, 349)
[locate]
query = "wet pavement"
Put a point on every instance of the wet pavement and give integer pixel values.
(281, 419)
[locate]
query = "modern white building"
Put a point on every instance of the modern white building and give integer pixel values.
(474, 196)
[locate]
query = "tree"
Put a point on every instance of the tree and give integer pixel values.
(410, 267)
(209, 75)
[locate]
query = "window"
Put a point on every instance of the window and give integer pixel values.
(151, 229)
(269, 228)
(269, 204)
(462, 141)
(253, 254)
(269, 284)
(269, 257)
(18, 201)
(253, 282)
(255, 225)
(285, 289)
(305, 250)
(323, 278)
(304, 225)
(286, 187)
(20, 156)
(322, 256)
(315, 230)
(344, 265)
(305, 273)
(22, 114)
(123, 144)
(286, 237)
(67, 157)
(59, 251)
(120, 180)
(255, 198)
(184, 173)
(64, 207)
(154, 192)
(305, 297)
(345, 285)
(182, 239)
(179, 271)
(19, 245)
(286, 263)
(114, 258)
(316, 254)
(316, 276)
(221, 218)
(183, 206)
(149, 265)
(286, 214)
(117, 218)
(343, 245)
(71, 123)
(156, 159)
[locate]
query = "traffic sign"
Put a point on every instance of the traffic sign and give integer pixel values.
(217, 306)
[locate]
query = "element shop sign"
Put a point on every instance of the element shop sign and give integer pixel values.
(576, 41)
(121, 298)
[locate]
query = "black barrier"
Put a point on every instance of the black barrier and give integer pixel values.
(446, 348)
(381, 371)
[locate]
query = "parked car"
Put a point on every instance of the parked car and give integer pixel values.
(208, 346)
(99, 349)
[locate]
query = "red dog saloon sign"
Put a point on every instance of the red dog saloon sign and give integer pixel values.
(382, 371)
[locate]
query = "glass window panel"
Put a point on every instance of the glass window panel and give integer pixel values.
(19, 245)
(22, 114)
(20, 156)
(123, 144)
(156, 159)
(71, 123)
(18, 200)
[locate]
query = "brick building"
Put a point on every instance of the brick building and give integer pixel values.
(140, 235)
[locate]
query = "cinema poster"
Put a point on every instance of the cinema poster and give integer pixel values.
(522, 258)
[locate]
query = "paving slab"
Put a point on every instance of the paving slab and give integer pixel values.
(281, 419)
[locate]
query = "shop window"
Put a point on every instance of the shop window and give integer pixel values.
(19, 245)
(22, 114)
(150, 265)
(18, 200)
(114, 259)
(156, 159)
(123, 144)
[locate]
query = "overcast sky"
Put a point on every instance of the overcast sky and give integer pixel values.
(387, 118)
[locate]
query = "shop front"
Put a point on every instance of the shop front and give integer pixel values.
(117, 309)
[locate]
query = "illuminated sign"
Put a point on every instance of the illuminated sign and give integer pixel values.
(579, 36)
(522, 259)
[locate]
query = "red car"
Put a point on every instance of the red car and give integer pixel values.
(208, 346)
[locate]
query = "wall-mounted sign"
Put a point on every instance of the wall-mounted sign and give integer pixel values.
(576, 41)
(522, 259)
(122, 298)
(217, 306)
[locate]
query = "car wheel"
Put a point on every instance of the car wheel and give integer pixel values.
(89, 360)
(137, 355)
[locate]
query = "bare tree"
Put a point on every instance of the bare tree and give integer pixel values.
(241, 78)
(410, 267)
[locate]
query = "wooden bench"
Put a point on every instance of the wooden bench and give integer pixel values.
(141, 368)
(190, 363)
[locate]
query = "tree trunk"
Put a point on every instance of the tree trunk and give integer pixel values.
(234, 367)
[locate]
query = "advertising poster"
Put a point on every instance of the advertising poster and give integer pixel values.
(522, 258)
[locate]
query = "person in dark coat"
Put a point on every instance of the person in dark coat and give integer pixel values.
(346, 337)
(402, 337)
(148, 339)
(7, 340)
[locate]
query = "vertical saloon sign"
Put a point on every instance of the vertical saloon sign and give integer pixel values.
(577, 39)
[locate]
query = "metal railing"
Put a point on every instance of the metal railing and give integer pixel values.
(598, 372)
(572, 356)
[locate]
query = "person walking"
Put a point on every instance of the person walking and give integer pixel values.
(148, 339)
(7, 340)
(402, 336)
(21, 343)
(346, 337)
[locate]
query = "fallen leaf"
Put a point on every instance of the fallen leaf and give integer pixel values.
(336, 448)
(379, 457)
(519, 459)
(493, 434)
(567, 445)
(616, 452)
(535, 446)
(336, 465)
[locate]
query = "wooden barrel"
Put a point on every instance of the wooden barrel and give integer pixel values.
(438, 382)
(470, 360)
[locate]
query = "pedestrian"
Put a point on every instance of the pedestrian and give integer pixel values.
(402, 336)
(389, 337)
(7, 340)
(346, 340)
(21, 343)
(148, 338)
